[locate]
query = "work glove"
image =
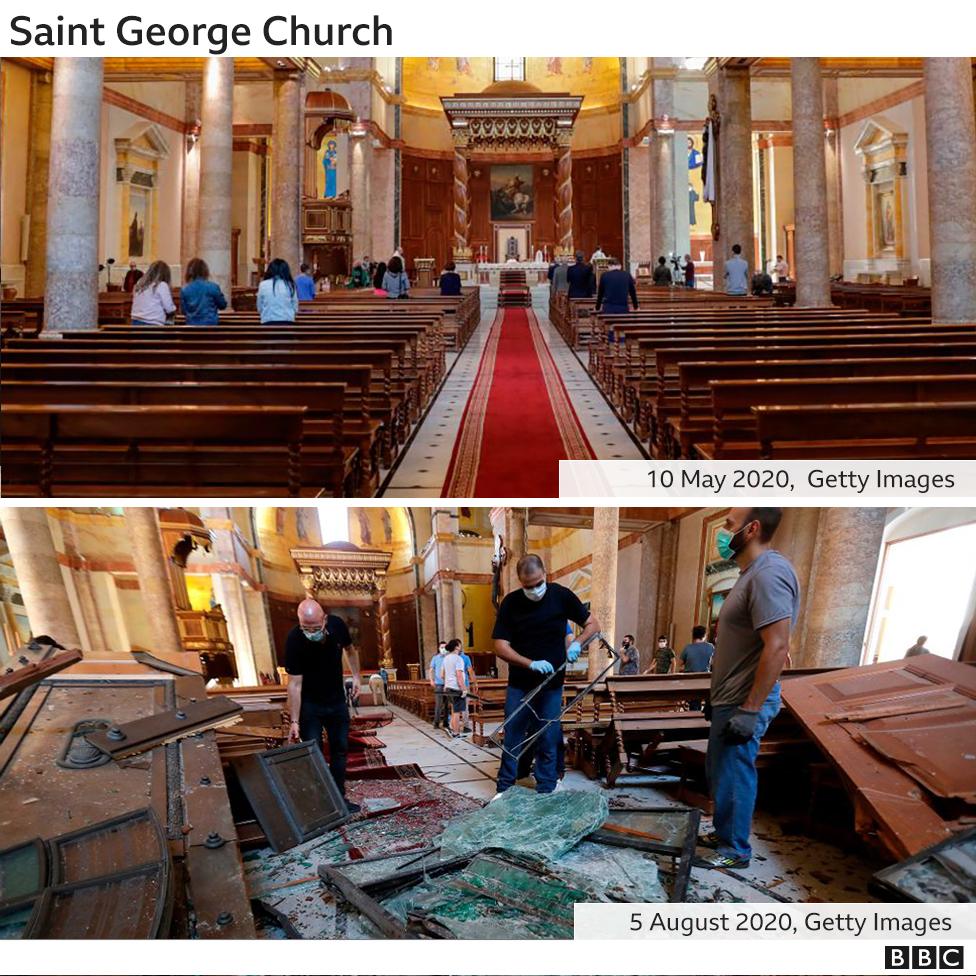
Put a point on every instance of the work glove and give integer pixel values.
(741, 727)
(573, 652)
(541, 667)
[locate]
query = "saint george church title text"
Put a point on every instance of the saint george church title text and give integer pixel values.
(132, 31)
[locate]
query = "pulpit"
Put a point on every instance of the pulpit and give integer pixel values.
(351, 583)
(424, 270)
(202, 632)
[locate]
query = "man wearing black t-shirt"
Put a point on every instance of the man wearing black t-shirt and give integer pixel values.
(316, 688)
(530, 634)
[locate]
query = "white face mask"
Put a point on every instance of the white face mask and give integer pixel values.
(535, 593)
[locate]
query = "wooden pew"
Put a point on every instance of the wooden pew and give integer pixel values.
(868, 430)
(330, 457)
(140, 450)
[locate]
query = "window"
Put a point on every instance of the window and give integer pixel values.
(334, 523)
(509, 69)
(925, 587)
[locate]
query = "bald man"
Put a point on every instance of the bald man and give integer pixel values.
(316, 688)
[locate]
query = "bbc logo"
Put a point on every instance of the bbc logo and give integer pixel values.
(923, 957)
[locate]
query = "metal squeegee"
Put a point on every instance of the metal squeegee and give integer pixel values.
(529, 740)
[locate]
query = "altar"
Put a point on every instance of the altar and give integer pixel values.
(488, 272)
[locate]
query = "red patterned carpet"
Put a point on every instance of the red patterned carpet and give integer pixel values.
(518, 422)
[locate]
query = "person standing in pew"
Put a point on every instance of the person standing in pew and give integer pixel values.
(200, 298)
(737, 273)
(450, 280)
(616, 287)
(689, 270)
(305, 285)
(277, 297)
(661, 275)
(580, 278)
(131, 277)
(696, 658)
(752, 648)
(314, 652)
(396, 284)
(152, 300)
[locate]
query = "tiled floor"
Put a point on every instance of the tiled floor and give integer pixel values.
(423, 465)
(785, 866)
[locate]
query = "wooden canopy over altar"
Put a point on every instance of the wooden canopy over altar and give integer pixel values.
(341, 575)
(508, 118)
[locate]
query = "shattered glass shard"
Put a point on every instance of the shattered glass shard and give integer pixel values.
(524, 822)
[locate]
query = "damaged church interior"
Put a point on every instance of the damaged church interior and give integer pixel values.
(156, 782)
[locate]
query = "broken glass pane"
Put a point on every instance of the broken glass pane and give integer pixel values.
(542, 825)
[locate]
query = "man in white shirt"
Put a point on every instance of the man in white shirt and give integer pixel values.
(598, 253)
(781, 268)
(736, 273)
(455, 687)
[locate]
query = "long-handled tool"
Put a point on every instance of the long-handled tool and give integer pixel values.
(544, 723)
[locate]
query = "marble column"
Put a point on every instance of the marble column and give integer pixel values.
(462, 200)
(511, 525)
(663, 230)
(639, 186)
(603, 581)
(286, 153)
(142, 526)
(190, 225)
(450, 619)
(39, 575)
(37, 181)
(950, 139)
(564, 199)
(812, 262)
(647, 590)
(667, 564)
(841, 580)
(360, 158)
(835, 193)
(71, 274)
(228, 592)
(216, 169)
(80, 577)
(735, 171)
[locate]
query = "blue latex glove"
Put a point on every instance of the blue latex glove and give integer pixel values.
(541, 667)
(573, 652)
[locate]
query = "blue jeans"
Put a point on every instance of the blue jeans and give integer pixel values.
(547, 705)
(732, 776)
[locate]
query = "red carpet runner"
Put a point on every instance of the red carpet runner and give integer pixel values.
(518, 422)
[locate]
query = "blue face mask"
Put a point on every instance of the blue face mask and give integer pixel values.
(315, 635)
(723, 542)
(535, 593)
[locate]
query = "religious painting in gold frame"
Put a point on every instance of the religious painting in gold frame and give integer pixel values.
(716, 575)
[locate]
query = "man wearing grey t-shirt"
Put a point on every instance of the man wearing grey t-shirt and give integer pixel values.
(736, 273)
(751, 649)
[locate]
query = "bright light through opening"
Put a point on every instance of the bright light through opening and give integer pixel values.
(334, 523)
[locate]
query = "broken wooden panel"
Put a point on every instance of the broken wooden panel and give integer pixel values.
(131, 905)
(943, 873)
(23, 871)
(29, 672)
(898, 787)
(221, 907)
(41, 796)
(672, 831)
(132, 840)
(292, 792)
(155, 730)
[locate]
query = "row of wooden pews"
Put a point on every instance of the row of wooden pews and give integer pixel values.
(316, 407)
(701, 380)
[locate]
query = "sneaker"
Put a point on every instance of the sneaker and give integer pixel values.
(711, 839)
(720, 861)
(497, 796)
(559, 786)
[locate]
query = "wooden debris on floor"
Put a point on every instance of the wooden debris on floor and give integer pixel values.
(901, 735)
(33, 662)
(943, 873)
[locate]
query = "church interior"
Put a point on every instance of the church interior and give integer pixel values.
(848, 184)
(145, 759)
